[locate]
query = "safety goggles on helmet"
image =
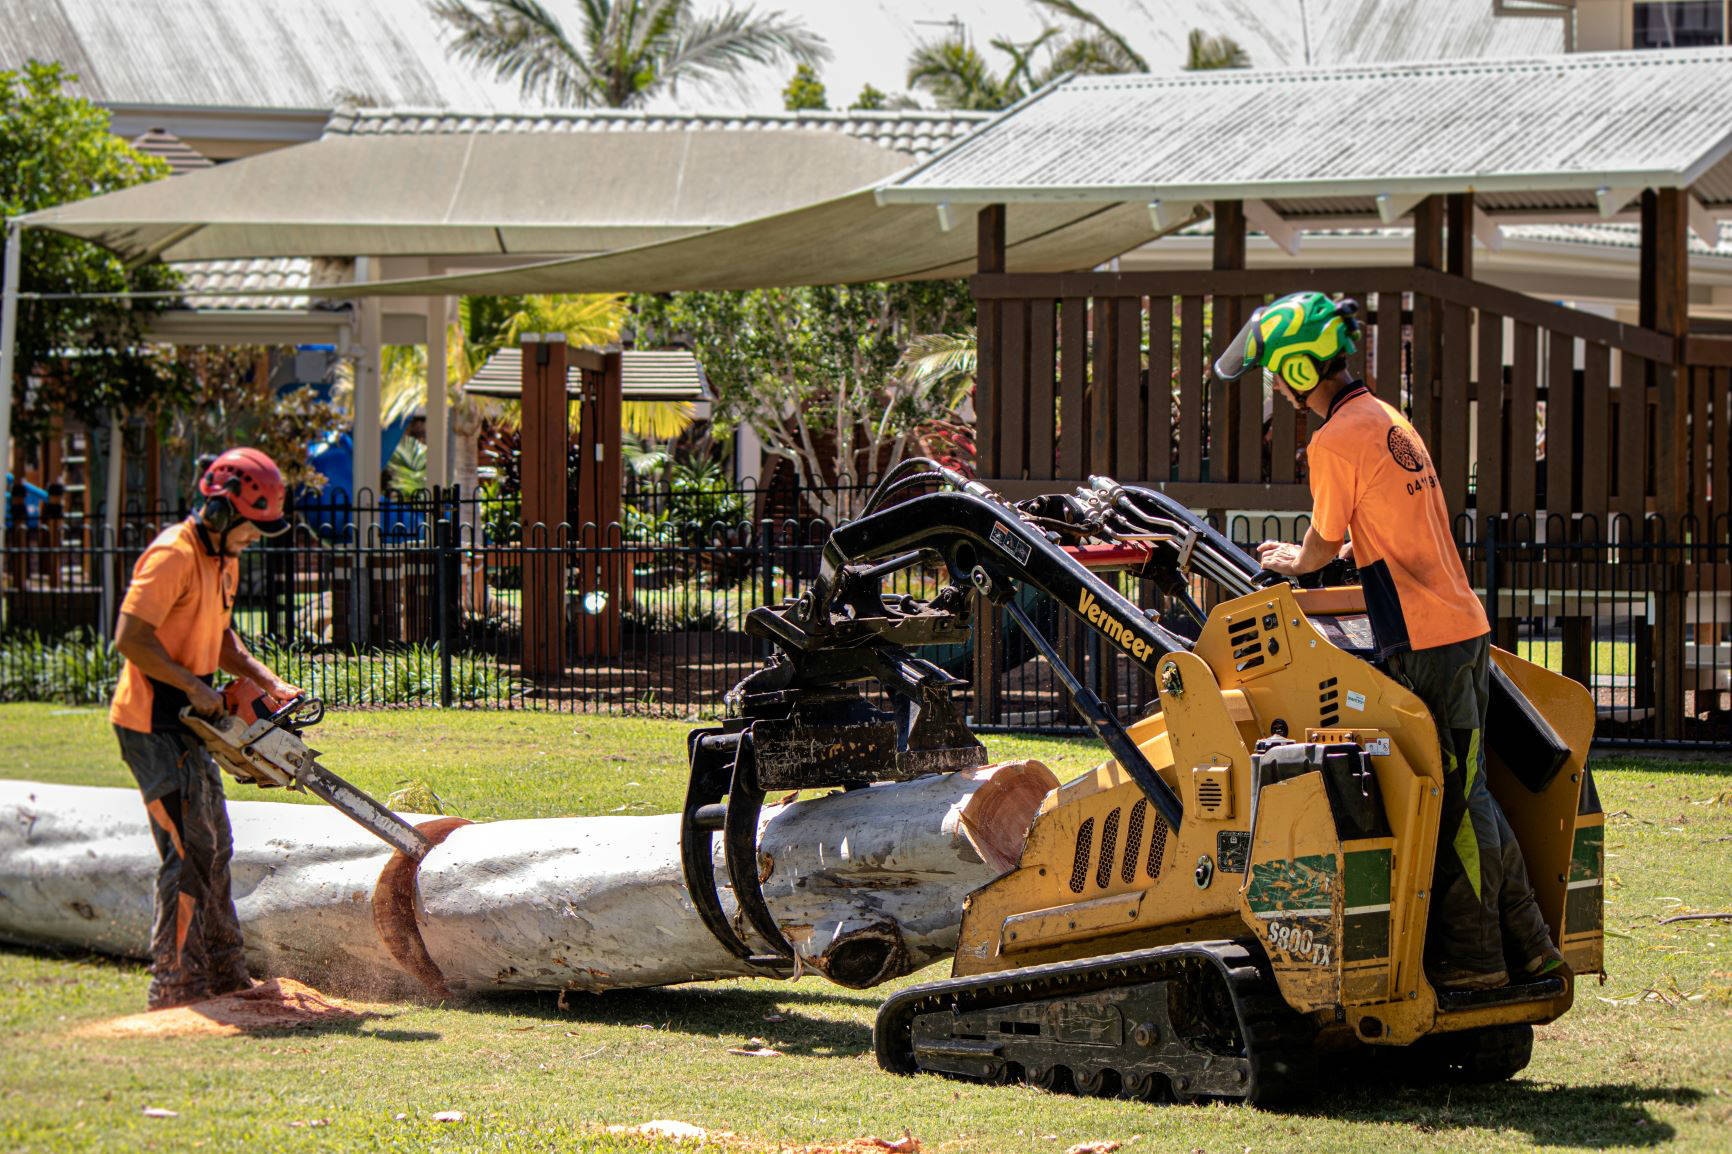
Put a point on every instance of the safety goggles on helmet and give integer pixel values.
(1293, 339)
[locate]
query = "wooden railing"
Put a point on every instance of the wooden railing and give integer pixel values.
(1526, 405)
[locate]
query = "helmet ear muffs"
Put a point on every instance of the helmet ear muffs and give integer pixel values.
(218, 513)
(1301, 372)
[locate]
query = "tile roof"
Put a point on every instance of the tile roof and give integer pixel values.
(283, 277)
(915, 132)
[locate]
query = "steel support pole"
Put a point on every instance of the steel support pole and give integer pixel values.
(8, 345)
(438, 397)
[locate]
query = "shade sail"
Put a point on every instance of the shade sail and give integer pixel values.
(842, 241)
(467, 193)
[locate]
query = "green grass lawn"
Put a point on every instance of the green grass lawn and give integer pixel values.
(1642, 1061)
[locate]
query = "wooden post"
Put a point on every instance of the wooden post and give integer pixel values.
(545, 434)
(1428, 252)
(438, 394)
(601, 486)
(988, 400)
(1458, 244)
(1664, 306)
(1236, 408)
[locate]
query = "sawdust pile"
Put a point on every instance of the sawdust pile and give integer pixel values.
(277, 1004)
(684, 1133)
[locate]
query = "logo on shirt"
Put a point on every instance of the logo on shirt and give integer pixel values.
(1406, 451)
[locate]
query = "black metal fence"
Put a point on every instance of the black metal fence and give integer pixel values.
(443, 600)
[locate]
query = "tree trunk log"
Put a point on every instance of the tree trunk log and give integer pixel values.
(866, 885)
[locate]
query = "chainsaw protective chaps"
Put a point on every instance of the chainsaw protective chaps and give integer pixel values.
(195, 937)
(1483, 899)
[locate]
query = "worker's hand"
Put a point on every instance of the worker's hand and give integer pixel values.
(205, 701)
(1346, 553)
(1279, 557)
(285, 693)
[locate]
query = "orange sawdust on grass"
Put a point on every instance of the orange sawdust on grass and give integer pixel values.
(276, 1004)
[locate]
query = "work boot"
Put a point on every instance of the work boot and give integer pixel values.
(164, 996)
(1545, 962)
(1456, 978)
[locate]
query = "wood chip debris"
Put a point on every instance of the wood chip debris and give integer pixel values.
(160, 1112)
(450, 1116)
(1106, 1147)
(756, 1048)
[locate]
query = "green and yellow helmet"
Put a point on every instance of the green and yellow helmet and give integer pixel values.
(1294, 339)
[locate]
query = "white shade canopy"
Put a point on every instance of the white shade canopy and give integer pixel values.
(442, 184)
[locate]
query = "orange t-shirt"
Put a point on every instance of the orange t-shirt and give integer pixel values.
(1371, 475)
(189, 595)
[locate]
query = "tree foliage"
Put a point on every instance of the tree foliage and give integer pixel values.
(1205, 53)
(804, 91)
(83, 356)
(813, 370)
(238, 406)
(957, 75)
(620, 53)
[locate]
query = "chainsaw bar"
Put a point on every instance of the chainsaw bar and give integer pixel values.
(269, 754)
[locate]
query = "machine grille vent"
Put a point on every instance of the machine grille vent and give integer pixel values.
(1246, 644)
(1079, 869)
(1209, 795)
(1157, 845)
(1109, 844)
(1328, 703)
(1134, 842)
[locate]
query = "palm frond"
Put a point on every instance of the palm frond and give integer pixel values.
(956, 76)
(656, 420)
(1205, 53)
(710, 50)
(937, 358)
(1111, 43)
(520, 40)
(586, 319)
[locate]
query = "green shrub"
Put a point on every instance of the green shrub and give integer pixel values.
(78, 668)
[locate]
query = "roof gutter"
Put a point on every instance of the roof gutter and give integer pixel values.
(1289, 189)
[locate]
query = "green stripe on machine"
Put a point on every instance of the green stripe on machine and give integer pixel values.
(1365, 932)
(1292, 885)
(1587, 856)
(1584, 903)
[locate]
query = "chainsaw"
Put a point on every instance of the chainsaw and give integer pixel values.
(258, 740)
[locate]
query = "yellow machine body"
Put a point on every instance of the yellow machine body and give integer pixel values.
(1341, 919)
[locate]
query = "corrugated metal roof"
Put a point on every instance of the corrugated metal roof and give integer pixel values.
(1541, 133)
(645, 375)
(914, 132)
(281, 54)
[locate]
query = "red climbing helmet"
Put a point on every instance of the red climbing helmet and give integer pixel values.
(248, 483)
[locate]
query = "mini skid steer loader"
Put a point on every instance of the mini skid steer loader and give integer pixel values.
(1242, 887)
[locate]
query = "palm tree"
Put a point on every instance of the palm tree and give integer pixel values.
(1205, 53)
(622, 52)
(955, 74)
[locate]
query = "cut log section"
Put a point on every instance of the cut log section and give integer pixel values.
(867, 885)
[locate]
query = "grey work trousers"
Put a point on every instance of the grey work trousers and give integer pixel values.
(1483, 906)
(195, 936)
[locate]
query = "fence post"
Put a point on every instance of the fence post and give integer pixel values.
(1492, 576)
(444, 557)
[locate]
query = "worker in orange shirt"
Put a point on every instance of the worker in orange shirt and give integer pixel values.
(174, 633)
(1372, 478)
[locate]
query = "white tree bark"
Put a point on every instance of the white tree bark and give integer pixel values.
(866, 885)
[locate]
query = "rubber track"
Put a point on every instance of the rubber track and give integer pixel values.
(1275, 1038)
